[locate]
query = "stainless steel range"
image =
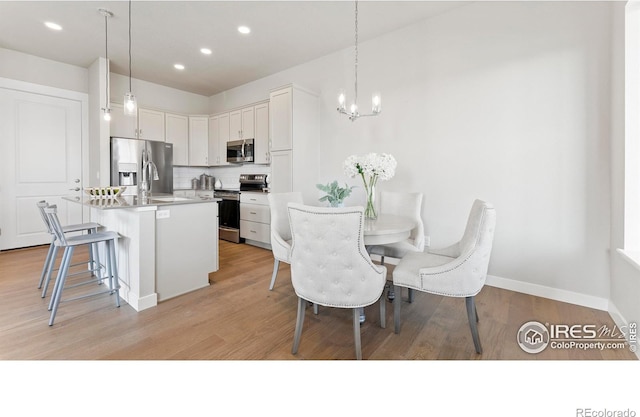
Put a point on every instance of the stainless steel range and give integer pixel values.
(229, 206)
(228, 215)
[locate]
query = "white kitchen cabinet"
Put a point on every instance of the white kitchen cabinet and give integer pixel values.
(295, 150)
(177, 133)
(261, 130)
(255, 219)
(281, 178)
(151, 124)
(148, 124)
(122, 126)
(218, 138)
(280, 113)
(199, 141)
(241, 124)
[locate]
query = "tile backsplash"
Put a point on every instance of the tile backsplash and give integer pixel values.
(229, 176)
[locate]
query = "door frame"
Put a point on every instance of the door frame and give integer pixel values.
(82, 98)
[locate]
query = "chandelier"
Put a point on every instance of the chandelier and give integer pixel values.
(376, 99)
(106, 110)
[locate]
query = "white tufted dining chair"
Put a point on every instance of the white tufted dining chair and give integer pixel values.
(459, 270)
(330, 265)
(280, 230)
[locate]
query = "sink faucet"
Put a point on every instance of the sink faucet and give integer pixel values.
(148, 169)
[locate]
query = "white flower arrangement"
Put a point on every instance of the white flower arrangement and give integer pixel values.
(371, 167)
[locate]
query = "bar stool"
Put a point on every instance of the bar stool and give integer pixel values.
(47, 269)
(69, 244)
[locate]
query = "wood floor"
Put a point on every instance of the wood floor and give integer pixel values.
(238, 318)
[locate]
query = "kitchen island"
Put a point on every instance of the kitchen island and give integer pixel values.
(167, 246)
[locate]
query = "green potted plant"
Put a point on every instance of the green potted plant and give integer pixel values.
(335, 194)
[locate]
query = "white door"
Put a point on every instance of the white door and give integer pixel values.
(40, 159)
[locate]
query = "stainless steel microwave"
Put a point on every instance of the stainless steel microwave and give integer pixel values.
(239, 151)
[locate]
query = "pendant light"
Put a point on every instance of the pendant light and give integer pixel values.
(130, 104)
(106, 110)
(376, 99)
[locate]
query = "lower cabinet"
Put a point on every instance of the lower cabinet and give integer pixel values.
(255, 219)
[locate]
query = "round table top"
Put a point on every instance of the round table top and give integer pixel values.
(386, 229)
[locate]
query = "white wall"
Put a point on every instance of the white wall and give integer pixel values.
(23, 67)
(158, 97)
(504, 101)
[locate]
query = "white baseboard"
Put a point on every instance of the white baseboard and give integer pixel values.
(565, 296)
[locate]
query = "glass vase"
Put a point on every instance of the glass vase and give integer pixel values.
(370, 208)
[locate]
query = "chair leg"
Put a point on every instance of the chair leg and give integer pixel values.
(383, 312)
(315, 309)
(356, 332)
(299, 323)
(472, 314)
(396, 311)
(45, 268)
(47, 279)
(276, 264)
(59, 285)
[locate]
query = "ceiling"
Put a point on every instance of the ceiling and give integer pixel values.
(283, 34)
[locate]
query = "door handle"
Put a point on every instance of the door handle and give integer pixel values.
(77, 180)
(74, 189)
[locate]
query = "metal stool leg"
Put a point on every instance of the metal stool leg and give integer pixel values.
(45, 268)
(52, 262)
(59, 286)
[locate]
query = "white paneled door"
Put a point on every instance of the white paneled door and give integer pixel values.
(40, 159)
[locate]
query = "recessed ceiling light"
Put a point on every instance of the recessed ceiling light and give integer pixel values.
(53, 26)
(244, 30)
(205, 51)
(178, 66)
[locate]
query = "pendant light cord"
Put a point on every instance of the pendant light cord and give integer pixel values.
(106, 55)
(129, 45)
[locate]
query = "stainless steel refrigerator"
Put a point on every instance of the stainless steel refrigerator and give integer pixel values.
(135, 160)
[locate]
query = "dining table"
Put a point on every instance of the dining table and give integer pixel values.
(384, 230)
(387, 229)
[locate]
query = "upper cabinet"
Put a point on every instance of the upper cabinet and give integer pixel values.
(177, 132)
(261, 130)
(150, 124)
(293, 122)
(199, 141)
(241, 124)
(281, 126)
(218, 138)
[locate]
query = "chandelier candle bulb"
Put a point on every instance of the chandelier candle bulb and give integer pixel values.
(342, 99)
(376, 103)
